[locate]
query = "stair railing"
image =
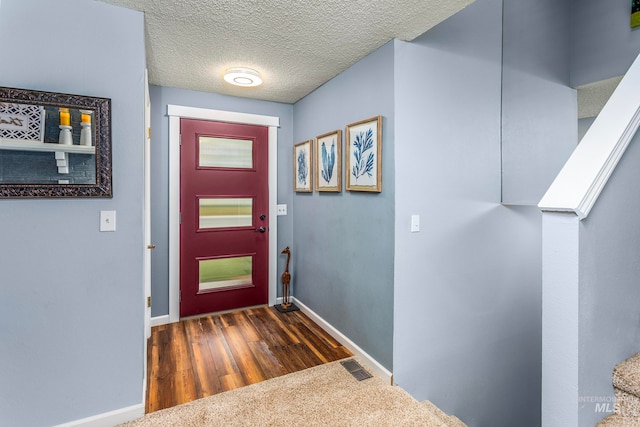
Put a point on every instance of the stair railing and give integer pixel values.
(579, 183)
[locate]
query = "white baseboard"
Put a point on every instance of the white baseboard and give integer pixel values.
(159, 320)
(371, 363)
(109, 419)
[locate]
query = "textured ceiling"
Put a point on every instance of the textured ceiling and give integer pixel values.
(592, 97)
(295, 45)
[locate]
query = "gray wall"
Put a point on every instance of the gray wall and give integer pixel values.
(467, 316)
(583, 126)
(560, 283)
(160, 98)
(603, 43)
(539, 110)
(591, 292)
(71, 310)
(342, 250)
(590, 279)
(609, 291)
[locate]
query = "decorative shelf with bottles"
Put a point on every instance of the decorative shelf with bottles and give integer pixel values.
(22, 128)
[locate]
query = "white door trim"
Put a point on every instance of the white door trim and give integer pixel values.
(147, 228)
(147, 208)
(177, 112)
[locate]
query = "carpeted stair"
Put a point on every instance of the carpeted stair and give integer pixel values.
(325, 395)
(447, 420)
(626, 386)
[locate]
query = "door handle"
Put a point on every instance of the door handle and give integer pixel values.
(151, 247)
(261, 229)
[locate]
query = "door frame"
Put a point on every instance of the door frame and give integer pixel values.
(147, 229)
(177, 112)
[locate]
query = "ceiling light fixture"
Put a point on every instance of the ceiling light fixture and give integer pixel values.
(242, 77)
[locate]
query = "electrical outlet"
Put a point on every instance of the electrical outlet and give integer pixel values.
(282, 210)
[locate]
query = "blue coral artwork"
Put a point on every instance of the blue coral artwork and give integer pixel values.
(303, 167)
(364, 161)
(363, 155)
(329, 161)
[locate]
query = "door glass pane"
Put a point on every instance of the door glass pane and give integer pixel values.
(226, 212)
(225, 153)
(225, 272)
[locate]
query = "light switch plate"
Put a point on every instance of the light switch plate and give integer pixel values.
(281, 210)
(107, 220)
(415, 223)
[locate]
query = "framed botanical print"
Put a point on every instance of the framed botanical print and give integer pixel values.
(303, 167)
(328, 157)
(363, 143)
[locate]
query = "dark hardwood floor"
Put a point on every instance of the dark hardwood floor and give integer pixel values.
(199, 357)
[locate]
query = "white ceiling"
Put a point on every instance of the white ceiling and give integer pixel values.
(295, 45)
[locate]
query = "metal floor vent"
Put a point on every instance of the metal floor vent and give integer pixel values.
(354, 368)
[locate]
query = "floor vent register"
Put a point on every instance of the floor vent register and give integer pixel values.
(355, 369)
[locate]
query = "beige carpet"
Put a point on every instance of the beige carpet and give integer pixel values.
(326, 395)
(626, 387)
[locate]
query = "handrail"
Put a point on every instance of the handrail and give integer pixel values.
(584, 175)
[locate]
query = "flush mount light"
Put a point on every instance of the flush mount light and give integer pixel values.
(242, 77)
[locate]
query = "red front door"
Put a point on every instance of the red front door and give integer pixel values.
(224, 231)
